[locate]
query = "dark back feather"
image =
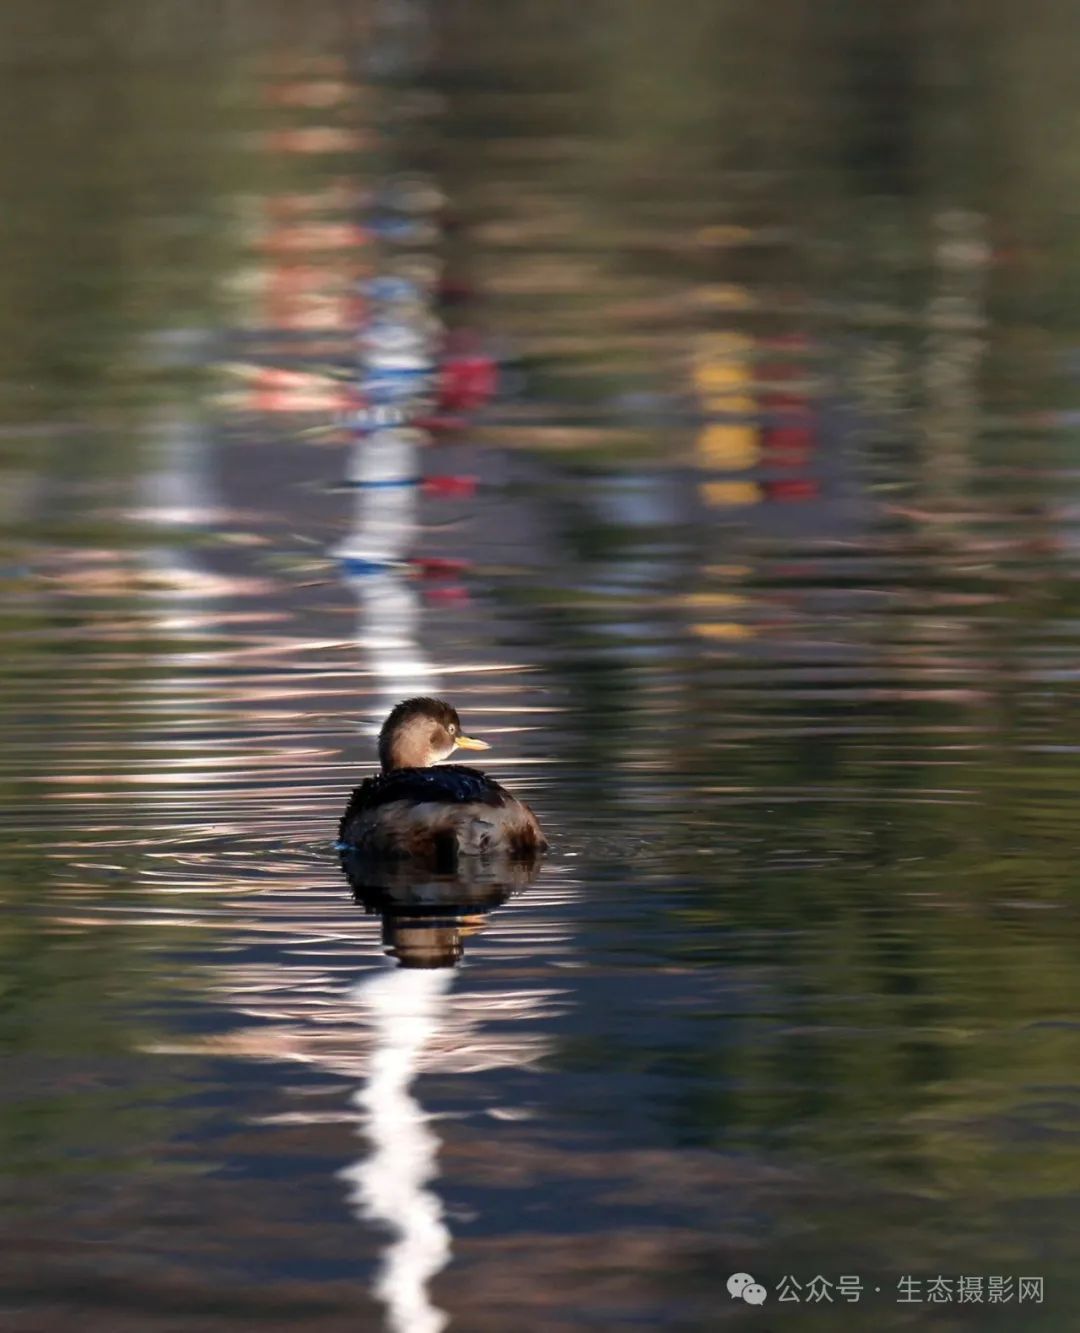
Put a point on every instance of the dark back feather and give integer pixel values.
(451, 784)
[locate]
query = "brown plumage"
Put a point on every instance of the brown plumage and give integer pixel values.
(437, 814)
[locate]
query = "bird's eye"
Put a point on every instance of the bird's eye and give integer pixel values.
(453, 729)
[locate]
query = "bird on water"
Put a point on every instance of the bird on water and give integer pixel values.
(412, 809)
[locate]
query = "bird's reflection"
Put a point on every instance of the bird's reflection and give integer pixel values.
(426, 913)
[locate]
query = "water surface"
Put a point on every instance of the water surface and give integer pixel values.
(759, 575)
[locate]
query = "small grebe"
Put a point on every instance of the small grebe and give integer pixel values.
(411, 809)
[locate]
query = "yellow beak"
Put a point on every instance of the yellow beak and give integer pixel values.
(470, 743)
